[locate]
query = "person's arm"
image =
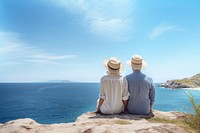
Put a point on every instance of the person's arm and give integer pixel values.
(151, 105)
(101, 97)
(125, 102)
(152, 96)
(125, 94)
(99, 105)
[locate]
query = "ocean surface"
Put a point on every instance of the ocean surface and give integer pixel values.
(64, 102)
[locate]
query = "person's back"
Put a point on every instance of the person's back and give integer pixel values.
(140, 87)
(112, 91)
(141, 91)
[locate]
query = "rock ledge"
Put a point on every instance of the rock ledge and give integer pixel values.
(96, 123)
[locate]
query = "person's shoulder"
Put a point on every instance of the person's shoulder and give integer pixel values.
(149, 79)
(122, 78)
(129, 75)
(104, 77)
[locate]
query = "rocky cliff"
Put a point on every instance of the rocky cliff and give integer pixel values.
(174, 84)
(192, 82)
(96, 123)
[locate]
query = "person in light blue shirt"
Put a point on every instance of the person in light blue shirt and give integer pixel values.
(140, 87)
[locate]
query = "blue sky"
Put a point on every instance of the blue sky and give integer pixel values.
(43, 40)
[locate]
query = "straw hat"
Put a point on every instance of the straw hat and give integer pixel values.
(113, 65)
(137, 63)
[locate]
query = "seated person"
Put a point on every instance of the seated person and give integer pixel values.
(114, 90)
(140, 87)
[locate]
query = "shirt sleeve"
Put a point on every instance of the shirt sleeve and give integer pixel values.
(152, 93)
(125, 94)
(102, 91)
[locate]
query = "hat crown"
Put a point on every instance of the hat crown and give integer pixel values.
(137, 63)
(136, 59)
(114, 63)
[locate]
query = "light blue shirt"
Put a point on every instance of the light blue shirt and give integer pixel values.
(142, 93)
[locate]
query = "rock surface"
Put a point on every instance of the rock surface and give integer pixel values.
(96, 123)
(173, 85)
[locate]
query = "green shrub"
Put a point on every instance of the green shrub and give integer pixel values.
(179, 122)
(193, 119)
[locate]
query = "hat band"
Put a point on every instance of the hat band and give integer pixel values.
(113, 68)
(137, 63)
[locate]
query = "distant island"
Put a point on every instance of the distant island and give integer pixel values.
(59, 81)
(192, 82)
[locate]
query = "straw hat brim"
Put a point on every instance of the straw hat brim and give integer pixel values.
(121, 69)
(144, 64)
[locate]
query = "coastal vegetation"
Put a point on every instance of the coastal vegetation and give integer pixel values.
(190, 122)
(192, 82)
(179, 122)
(193, 119)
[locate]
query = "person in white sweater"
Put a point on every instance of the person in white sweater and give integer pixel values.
(114, 89)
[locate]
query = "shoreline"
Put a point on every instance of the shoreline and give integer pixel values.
(195, 89)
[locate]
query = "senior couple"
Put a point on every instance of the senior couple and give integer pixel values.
(134, 92)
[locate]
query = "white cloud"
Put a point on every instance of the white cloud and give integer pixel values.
(51, 57)
(13, 50)
(109, 18)
(162, 29)
(41, 61)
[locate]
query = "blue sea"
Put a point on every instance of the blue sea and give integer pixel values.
(49, 103)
